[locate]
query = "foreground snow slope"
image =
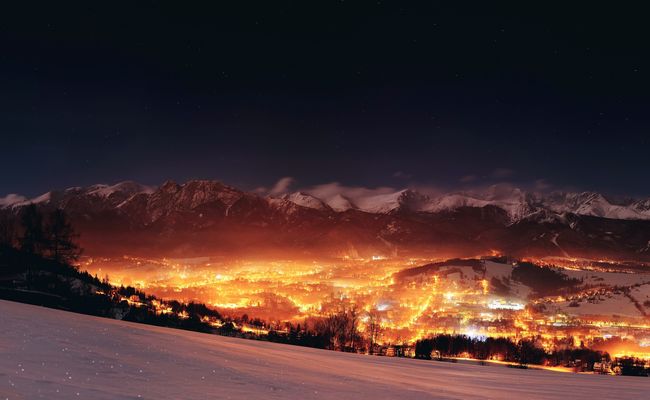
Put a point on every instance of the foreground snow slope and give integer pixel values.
(53, 354)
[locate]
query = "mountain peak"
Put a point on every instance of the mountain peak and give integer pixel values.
(128, 188)
(306, 200)
(169, 186)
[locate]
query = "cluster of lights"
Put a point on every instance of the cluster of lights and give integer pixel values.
(455, 300)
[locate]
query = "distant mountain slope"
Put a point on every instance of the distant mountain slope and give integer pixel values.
(209, 216)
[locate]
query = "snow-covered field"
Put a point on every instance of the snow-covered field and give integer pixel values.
(53, 354)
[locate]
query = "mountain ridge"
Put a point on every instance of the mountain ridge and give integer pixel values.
(517, 203)
(204, 216)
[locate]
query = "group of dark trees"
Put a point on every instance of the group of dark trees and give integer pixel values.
(48, 235)
(546, 281)
(523, 352)
(631, 366)
(341, 329)
(299, 335)
(146, 312)
(457, 345)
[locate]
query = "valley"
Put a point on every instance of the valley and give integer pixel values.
(414, 298)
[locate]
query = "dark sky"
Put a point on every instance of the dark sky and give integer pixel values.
(368, 94)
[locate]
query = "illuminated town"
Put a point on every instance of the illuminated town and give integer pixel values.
(412, 299)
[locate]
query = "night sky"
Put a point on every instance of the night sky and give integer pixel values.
(365, 94)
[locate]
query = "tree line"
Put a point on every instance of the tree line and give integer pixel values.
(48, 235)
(523, 352)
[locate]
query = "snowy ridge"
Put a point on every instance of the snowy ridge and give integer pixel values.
(516, 203)
(120, 190)
(596, 205)
(11, 199)
(341, 203)
(516, 208)
(127, 187)
(306, 200)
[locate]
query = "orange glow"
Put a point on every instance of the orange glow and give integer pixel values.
(412, 302)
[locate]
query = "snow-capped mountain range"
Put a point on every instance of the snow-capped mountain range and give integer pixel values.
(518, 204)
(210, 214)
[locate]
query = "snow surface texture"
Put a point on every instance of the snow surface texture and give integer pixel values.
(53, 354)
